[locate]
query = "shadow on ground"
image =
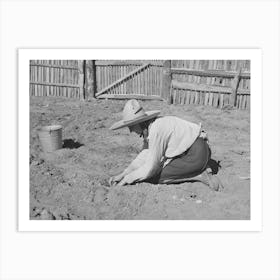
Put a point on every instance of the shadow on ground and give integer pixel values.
(71, 144)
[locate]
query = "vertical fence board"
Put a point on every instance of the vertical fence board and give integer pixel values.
(206, 98)
(221, 100)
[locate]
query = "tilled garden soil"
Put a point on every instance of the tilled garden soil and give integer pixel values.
(72, 183)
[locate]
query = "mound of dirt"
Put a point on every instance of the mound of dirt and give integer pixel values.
(72, 183)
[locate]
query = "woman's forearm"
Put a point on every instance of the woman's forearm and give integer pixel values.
(137, 162)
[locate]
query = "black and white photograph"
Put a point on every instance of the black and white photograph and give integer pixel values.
(139, 139)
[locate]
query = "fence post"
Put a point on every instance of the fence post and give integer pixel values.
(81, 67)
(94, 80)
(234, 87)
(166, 81)
(90, 79)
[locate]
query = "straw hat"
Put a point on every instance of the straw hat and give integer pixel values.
(133, 113)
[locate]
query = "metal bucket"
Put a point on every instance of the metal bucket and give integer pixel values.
(51, 137)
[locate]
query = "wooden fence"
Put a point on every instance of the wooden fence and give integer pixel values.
(118, 79)
(57, 78)
(204, 82)
(211, 82)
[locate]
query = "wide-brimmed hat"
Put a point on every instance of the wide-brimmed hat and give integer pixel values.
(133, 113)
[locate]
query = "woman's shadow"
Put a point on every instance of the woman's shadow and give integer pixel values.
(214, 165)
(71, 144)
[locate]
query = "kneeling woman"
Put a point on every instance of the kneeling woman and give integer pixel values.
(175, 150)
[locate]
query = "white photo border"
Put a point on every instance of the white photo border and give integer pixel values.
(255, 222)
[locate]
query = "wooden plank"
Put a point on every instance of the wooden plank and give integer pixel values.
(207, 88)
(143, 80)
(248, 102)
(181, 97)
(53, 66)
(130, 96)
(35, 79)
(38, 79)
(166, 80)
(200, 87)
(134, 63)
(221, 100)
(121, 80)
(105, 76)
(55, 80)
(61, 79)
(48, 89)
(54, 84)
(123, 73)
(159, 78)
(101, 78)
(156, 81)
(201, 98)
(97, 78)
(206, 98)
(185, 96)
(218, 99)
(128, 82)
(81, 65)
(177, 96)
(44, 79)
(244, 102)
(234, 85)
(239, 101)
(146, 91)
(196, 98)
(138, 77)
(171, 96)
(227, 97)
(179, 92)
(192, 98)
(216, 96)
(133, 84)
(174, 97)
(188, 97)
(210, 73)
(41, 79)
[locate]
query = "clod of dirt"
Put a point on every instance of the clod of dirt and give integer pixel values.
(46, 215)
(104, 182)
(37, 162)
(227, 108)
(99, 196)
(239, 152)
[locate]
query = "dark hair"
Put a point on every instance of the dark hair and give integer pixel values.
(144, 125)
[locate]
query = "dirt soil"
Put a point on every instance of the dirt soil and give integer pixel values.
(72, 183)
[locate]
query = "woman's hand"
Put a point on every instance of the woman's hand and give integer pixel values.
(116, 179)
(122, 183)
